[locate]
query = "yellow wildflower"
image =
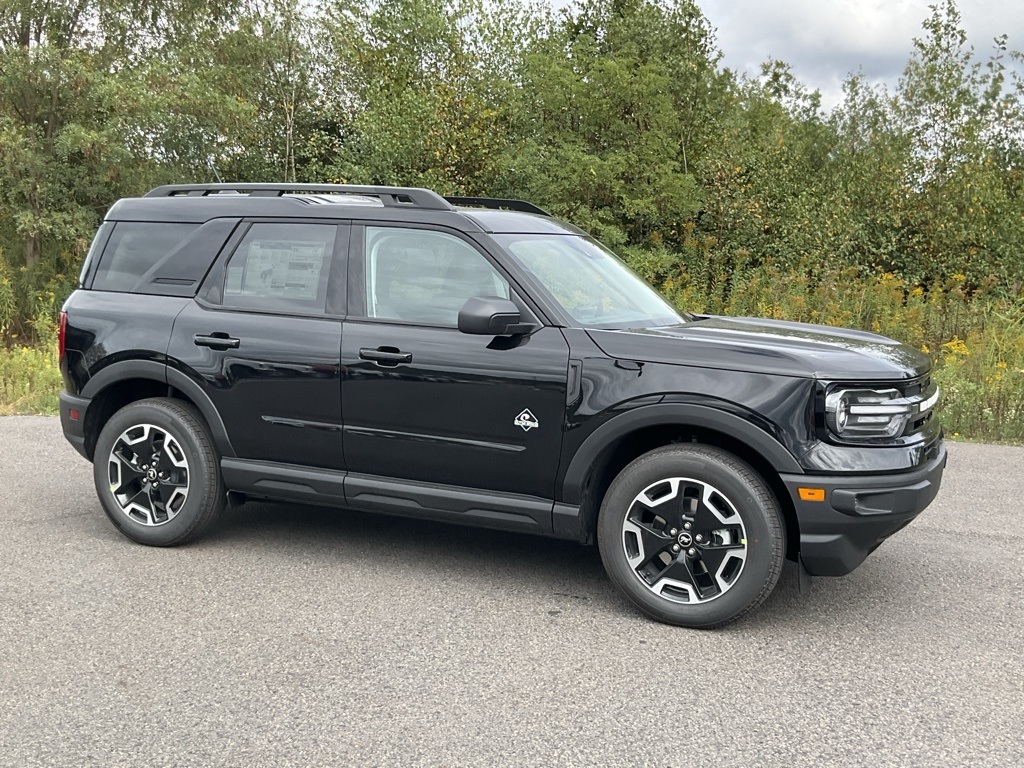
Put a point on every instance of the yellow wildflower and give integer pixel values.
(956, 346)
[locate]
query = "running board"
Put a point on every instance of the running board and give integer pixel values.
(432, 501)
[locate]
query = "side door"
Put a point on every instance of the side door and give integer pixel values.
(263, 340)
(424, 402)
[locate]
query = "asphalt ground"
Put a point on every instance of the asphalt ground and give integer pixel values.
(312, 637)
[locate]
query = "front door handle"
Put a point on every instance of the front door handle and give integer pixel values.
(219, 341)
(385, 355)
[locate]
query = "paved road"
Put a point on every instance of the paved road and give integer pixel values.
(299, 636)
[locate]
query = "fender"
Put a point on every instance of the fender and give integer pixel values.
(158, 371)
(197, 395)
(684, 415)
(124, 369)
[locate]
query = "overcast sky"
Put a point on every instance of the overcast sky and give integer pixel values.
(824, 40)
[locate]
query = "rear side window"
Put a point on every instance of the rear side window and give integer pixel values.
(281, 267)
(94, 249)
(134, 249)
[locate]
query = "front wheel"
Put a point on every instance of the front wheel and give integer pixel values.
(157, 472)
(691, 535)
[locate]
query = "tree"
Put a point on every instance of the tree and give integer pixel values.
(615, 107)
(98, 100)
(79, 122)
(421, 83)
(270, 64)
(961, 120)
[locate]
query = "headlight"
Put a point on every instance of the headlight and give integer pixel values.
(863, 414)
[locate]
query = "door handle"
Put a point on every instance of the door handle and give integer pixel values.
(385, 355)
(219, 341)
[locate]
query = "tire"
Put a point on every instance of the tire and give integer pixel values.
(165, 502)
(715, 571)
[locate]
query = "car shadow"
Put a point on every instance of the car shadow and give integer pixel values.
(340, 533)
(530, 564)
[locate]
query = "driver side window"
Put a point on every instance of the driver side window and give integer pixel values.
(423, 276)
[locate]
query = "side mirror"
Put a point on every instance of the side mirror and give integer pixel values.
(490, 316)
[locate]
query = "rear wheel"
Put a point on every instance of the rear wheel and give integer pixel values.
(692, 535)
(157, 472)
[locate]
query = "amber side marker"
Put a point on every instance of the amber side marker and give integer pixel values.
(812, 494)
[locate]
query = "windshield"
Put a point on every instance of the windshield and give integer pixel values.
(589, 282)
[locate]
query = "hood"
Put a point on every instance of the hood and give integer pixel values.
(769, 346)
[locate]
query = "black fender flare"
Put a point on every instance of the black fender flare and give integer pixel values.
(161, 372)
(683, 415)
(122, 370)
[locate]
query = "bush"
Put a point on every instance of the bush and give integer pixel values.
(29, 380)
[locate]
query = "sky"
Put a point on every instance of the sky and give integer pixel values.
(825, 40)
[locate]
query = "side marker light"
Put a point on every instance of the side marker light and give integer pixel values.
(812, 494)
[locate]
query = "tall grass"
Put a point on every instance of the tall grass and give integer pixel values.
(30, 372)
(29, 380)
(974, 337)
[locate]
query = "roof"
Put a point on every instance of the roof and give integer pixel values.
(199, 203)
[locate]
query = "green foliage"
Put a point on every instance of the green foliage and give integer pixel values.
(975, 337)
(901, 210)
(92, 97)
(614, 107)
(267, 63)
(421, 85)
(29, 380)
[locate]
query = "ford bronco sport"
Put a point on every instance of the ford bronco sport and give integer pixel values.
(475, 360)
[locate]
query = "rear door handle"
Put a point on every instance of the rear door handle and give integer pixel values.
(218, 340)
(385, 355)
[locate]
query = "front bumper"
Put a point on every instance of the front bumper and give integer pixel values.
(858, 513)
(74, 429)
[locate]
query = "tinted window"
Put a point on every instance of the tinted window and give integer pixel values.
(134, 248)
(281, 267)
(423, 276)
(94, 249)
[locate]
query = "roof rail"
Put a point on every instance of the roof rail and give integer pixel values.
(391, 197)
(498, 203)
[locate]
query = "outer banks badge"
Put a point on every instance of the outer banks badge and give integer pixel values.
(526, 420)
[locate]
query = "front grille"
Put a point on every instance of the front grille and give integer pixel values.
(923, 393)
(915, 388)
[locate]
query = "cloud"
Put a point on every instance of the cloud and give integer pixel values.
(825, 40)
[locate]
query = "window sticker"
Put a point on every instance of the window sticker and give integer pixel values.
(281, 269)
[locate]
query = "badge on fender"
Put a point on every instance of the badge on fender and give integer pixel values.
(526, 420)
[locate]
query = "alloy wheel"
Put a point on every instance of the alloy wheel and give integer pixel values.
(148, 474)
(684, 540)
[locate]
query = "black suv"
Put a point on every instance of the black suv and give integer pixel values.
(475, 360)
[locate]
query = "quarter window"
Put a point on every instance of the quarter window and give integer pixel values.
(134, 248)
(281, 267)
(423, 276)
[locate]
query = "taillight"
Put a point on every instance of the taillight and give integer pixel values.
(62, 332)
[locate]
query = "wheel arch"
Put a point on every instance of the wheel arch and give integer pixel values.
(128, 381)
(618, 442)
